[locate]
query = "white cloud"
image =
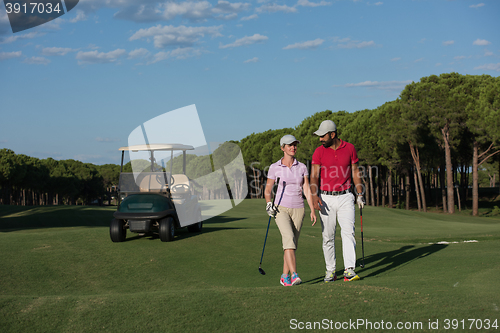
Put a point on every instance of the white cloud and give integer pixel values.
(438, 64)
(201, 10)
(183, 36)
(4, 22)
(448, 42)
(489, 67)
(4, 17)
(191, 10)
(138, 53)
(384, 85)
(419, 60)
(481, 42)
(9, 55)
(477, 6)
(311, 44)
(95, 57)
(307, 3)
(273, 8)
(160, 56)
(251, 17)
(340, 40)
(179, 53)
(14, 38)
(487, 53)
(37, 61)
(139, 12)
(347, 43)
(378, 3)
(80, 16)
(459, 57)
(227, 17)
(396, 59)
(356, 45)
(247, 40)
(254, 59)
(228, 7)
(153, 11)
(56, 51)
(185, 52)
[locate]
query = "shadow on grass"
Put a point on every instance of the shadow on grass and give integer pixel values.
(390, 260)
(185, 233)
(179, 234)
(222, 219)
(387, 261)
(15, 218)
(41, 217)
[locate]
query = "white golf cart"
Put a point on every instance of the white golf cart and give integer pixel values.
(155, 201)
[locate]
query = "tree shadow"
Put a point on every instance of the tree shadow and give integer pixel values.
(390, 260)
(43, 217)
(15, 218)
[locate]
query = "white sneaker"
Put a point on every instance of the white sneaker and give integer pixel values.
(330, 276)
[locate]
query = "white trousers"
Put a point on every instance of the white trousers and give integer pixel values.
(338, 208)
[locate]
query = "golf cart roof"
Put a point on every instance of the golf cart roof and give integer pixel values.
(157, 146)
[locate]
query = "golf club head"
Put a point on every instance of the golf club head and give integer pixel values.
(261, 271)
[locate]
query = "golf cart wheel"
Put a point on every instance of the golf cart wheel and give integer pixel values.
(167, 229)
(197, 226)
(117, 230)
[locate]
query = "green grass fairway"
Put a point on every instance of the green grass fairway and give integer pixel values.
(60, 272)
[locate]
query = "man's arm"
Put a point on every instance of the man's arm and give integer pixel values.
(307, 193)
(356, 178)
(314, 185)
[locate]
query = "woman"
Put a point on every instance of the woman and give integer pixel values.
(289, 205)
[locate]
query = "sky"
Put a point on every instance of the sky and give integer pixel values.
(77, 86)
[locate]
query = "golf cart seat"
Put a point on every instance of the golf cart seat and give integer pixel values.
(153, 182)
(180, 186)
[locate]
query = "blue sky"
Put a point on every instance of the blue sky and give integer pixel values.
(77, 86)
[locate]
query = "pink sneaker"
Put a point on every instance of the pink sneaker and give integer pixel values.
(285, 280)
(295, 279)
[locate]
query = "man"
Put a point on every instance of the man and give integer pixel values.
(336, 161)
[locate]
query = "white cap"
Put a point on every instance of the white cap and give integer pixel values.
(326, 127)
(288, 139)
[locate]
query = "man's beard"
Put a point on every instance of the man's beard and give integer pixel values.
(328, 143)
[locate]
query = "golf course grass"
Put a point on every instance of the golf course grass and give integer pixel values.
(60, 272)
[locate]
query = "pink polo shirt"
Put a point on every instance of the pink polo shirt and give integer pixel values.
(293, 178)
(335, 166)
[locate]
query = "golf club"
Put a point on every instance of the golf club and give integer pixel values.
(362, 243)
(261, 271)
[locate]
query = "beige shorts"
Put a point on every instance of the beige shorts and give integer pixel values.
(289, 221)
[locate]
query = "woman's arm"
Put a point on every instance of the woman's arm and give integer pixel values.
(269, 189)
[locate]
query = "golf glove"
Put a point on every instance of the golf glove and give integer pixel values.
(360, 201)
(271, 211)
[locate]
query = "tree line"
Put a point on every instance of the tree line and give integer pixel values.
(424, 148)
(423, 145)
(28, 181)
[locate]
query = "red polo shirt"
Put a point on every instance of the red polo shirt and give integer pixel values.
(335, 165)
